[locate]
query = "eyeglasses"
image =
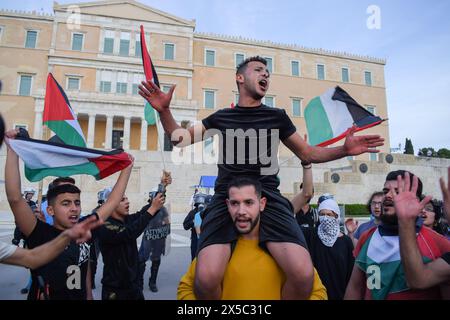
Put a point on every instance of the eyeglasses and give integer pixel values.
(376, 203)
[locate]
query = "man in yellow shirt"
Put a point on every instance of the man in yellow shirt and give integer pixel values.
(251, 274)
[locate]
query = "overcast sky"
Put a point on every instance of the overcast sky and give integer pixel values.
(414, 38)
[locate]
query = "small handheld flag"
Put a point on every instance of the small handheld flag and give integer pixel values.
(329, 117)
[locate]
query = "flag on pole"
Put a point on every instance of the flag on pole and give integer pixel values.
(46, 158)
(150, 75)
(59, 116)
(149, 114)
(329, 117)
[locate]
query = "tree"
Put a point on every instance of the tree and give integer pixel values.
(409, 149)
(428, 152)
(443, 153)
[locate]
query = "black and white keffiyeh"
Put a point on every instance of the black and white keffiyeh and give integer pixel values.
(328, 230)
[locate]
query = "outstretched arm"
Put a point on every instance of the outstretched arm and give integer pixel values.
(117, 193)
(160, 101)
(353, 146)
(23, 215)
(45, 253)
(408, 207)
(302, 198)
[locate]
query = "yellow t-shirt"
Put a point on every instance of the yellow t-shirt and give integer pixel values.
(251, 274)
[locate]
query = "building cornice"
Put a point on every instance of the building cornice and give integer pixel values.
(64, 7)
(292, 47)
(27, 14)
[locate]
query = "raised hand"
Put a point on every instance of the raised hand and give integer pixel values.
(446, 194)
(158, 202)
(407, 205)
(166, 178)
(351, 225)
(11, 134)
(356, 145)
(159, 100)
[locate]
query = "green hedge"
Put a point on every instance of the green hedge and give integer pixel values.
(356, 210)
(353, 209)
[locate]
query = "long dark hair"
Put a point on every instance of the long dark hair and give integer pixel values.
(439, 225)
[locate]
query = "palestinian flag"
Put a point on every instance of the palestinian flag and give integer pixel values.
(379, 258)
(45, 158)
(383, 255)
(150, 75)
(330, 116)
(59, 116)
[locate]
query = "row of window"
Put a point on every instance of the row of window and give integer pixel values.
(121, 87)
(169, 54)
(209, 102)
(77, 43)
(73, 83)
(210, 60)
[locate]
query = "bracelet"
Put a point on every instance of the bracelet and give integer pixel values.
(306, 165)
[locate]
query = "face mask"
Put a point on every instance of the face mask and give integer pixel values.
(328, 230)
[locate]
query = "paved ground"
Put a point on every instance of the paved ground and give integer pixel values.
(173, 266)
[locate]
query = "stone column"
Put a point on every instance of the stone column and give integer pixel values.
(108, 131)
(91, 131)
(126, 133)
(143, 134)
(38, 125)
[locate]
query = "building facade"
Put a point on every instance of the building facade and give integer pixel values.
(93, 51)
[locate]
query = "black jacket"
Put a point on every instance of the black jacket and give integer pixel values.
(119, 250)
(188, 222)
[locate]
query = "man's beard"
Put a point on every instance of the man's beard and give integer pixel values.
(390, 219)
(253, 224)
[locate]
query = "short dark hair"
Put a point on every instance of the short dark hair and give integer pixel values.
(392, 176)
(375, 194)
(61, 180)
(239, 182)
(240, 69)
(55, 191)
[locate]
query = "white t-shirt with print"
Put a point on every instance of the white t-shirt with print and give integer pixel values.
(6, 250)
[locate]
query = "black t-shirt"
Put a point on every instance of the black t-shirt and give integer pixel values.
(249, 151)
(334, 264)
(308, 219)
(65, 276)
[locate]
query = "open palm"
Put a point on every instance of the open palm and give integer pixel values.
(159, 100)
(356, 145)
(407, 205)
(351, 225)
